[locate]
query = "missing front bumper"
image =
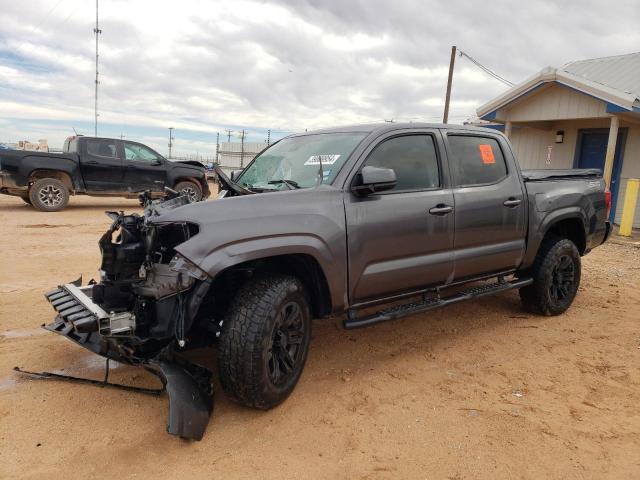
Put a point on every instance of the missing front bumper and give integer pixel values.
(188, 385)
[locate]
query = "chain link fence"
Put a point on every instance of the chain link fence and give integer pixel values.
(231, 155)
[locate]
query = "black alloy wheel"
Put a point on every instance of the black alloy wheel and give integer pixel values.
(286, 343)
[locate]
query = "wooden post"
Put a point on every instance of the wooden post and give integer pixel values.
(507, 129)
(611, 150)
(445, 117)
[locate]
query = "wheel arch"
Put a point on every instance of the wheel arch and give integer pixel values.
(40, 173)
(304, 266)
(571, 228)
(566, 222)
(202, 182)
(179, 179)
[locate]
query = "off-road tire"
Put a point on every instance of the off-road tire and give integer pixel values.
(48, 195)
(249, 341)
(556, 277)
(191, 189)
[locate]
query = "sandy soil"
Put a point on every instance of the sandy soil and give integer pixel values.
(478, 390)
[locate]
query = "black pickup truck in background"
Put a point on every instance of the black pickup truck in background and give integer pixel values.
(98, 167)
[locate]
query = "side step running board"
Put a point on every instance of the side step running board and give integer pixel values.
(398, 311)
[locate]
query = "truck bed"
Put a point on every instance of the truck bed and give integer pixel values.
(549, 174)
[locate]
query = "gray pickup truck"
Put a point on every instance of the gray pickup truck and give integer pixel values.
(321, 224)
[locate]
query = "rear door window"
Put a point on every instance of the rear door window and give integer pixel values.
(476, 160)
(102, 148)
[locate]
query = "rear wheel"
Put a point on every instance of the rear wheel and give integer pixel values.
(190, 189)
(556, 277)
(48, 195)
(264, 341)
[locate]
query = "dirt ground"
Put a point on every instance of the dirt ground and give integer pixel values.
(477, 390)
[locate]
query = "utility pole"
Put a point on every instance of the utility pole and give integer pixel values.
(445, 118)
(217, 145)
(242, 135)
(97, 31)
(268, 137)
(170, 140)
(228, 135)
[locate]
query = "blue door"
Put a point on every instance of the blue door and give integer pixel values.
(591, 152)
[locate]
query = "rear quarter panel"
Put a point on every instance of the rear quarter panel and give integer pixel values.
(551, 201)
(20, 165)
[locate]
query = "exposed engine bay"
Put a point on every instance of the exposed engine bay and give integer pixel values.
(143, 309)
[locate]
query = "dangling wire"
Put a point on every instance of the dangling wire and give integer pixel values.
(179, 329)
(486, 69)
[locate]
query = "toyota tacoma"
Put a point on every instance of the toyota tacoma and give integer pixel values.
(332, 222)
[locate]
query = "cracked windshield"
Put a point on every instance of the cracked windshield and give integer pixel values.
(294, 162)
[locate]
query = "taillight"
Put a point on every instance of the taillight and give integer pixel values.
(607, 200)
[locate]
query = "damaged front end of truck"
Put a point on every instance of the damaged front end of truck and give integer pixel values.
(144, 309)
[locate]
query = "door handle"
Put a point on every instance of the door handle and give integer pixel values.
(91, 162)
(512, 202)
(441, 209)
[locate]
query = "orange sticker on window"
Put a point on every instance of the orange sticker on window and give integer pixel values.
(487, 154)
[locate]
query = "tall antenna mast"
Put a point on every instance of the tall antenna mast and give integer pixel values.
(97, 31)
(170, 140)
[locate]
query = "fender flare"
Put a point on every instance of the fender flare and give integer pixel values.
(545, 223)
(33, 164)
(232, 254)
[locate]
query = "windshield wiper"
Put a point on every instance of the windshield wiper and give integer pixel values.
(289, 183)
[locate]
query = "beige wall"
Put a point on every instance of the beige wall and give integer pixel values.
(531, 144)
(554, 102)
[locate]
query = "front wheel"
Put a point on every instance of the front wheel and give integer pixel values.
(264, 341)
(190, 189)
(556, 277)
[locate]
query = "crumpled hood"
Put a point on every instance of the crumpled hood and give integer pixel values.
(231, 221)
(193, 163)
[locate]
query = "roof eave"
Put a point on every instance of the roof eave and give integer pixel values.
(622, 100)
(545, 75)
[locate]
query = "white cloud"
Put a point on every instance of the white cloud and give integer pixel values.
(289, 65)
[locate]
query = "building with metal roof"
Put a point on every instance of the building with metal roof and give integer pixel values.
(585, 114)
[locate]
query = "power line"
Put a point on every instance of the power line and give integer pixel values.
(486, 69)
(35, 27)
(46, 16)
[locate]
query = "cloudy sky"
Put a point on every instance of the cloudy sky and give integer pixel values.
(206, 66)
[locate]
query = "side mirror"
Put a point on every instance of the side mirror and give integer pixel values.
(156, 162)
(373, 180)
(234, 175)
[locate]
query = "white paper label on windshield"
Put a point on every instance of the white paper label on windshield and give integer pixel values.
(326, 159)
